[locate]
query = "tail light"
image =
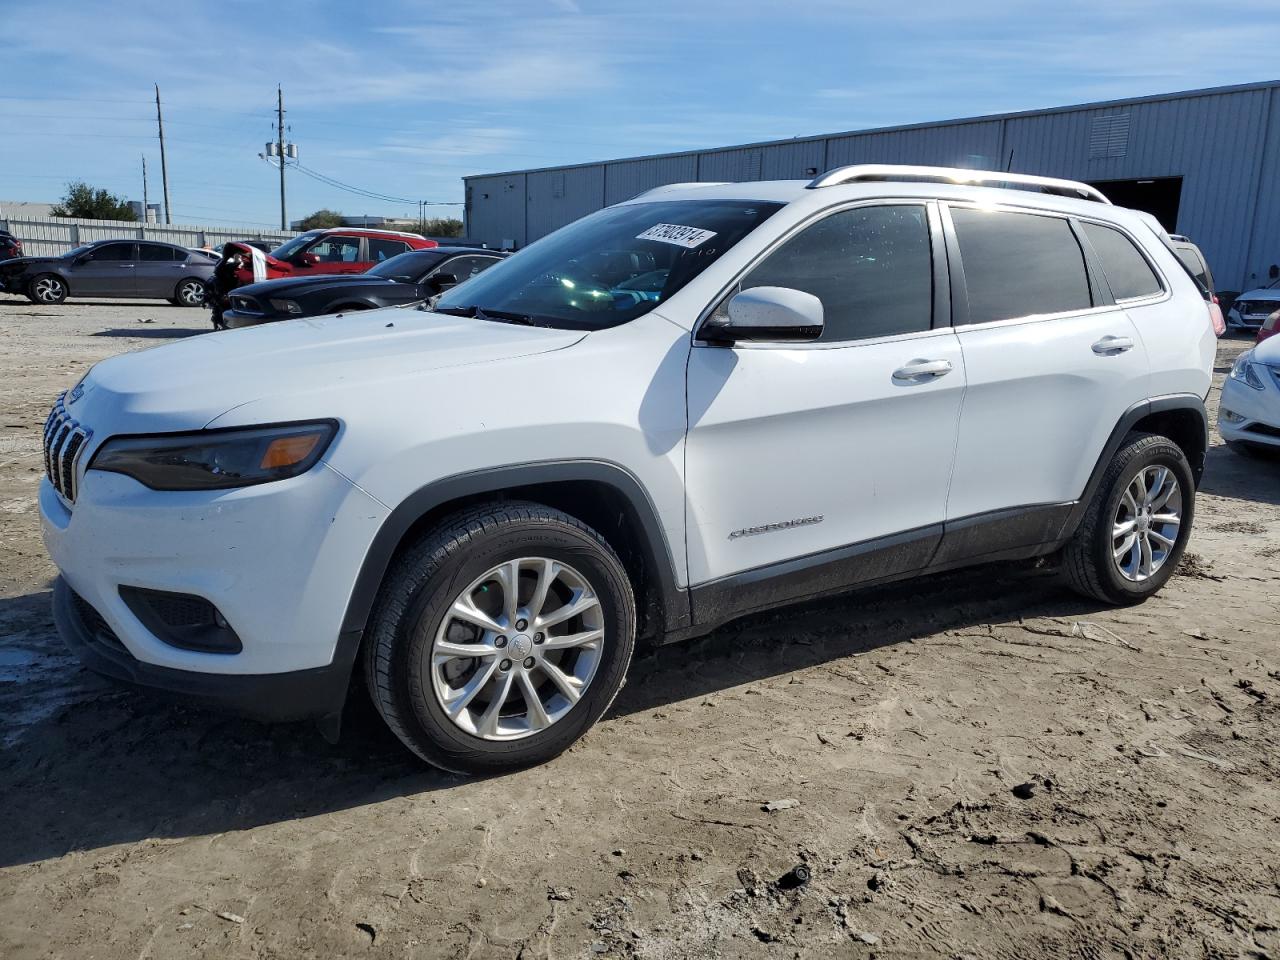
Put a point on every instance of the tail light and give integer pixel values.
(1269, 327)
(1215, 317)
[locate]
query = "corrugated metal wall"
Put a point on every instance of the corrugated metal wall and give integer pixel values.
(1224, 143)
(56, 235)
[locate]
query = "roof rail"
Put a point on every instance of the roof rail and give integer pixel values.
(664, 188)
(872, 172)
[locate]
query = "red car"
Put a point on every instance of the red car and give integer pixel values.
(335, 250)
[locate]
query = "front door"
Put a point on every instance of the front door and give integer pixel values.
(831, 459)
(106, 271)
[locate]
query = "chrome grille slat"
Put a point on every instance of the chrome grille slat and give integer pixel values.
(65, 441)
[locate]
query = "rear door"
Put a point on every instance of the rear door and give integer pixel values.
(160, 267)
(107, 271)
(1052, 364)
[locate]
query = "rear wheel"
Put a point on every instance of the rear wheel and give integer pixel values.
(1136, 527)
(500, 638)
(47, 288)
(189, 293)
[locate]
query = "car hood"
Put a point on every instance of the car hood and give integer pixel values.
(21, 263)
(1260, 294)
(285, 286)
(1268, 352)
(187, 385)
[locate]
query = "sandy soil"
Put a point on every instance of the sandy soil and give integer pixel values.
(981, 764)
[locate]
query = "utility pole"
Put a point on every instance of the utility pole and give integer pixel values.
(284, 222)
(164, 168)
(145, 207)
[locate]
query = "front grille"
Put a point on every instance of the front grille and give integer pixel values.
(1256, 308)
(95, 624)
(1265, 429)
(246, 305)
(65, 441)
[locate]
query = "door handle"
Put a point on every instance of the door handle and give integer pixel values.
(125, 266)
(918, 370)
(1110, 346)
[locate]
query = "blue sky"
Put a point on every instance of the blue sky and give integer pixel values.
(403, 98)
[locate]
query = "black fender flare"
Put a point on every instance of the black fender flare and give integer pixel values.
(658, 558)
(1134, 415)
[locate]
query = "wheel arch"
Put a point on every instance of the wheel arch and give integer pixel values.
(603, 495)
(1181, 417)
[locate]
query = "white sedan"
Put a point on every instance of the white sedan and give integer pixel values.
(1249, 414)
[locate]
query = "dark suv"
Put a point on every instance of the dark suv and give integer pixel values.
(10, 246)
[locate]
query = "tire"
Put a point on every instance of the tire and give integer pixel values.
(1090, 562)
(415, 613)
(47, 289)
(189, 293)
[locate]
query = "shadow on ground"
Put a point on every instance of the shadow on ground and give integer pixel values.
(115, 766)
(145, 332)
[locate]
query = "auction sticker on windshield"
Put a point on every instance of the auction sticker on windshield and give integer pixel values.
(687, 237)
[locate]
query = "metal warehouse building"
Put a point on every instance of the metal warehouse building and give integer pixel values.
(1206, 162)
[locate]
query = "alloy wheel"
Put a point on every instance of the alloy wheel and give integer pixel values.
(191, 293)
(48, 289)
(1145, 528)
(517, 649)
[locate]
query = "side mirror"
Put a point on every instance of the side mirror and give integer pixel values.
(768, 313)
(307, 259)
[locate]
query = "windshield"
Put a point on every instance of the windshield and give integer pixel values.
(406, 267)
(610, 267)
(76, 251)
(290, 247)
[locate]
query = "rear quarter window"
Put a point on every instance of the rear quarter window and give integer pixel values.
(1127, 270)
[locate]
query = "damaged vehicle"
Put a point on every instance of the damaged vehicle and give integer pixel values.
(336, 250)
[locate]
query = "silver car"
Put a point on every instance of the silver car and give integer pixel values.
(112, 268)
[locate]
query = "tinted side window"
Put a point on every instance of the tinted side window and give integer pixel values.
(380, 250)
(1127, 270)
(1199, 269)
(1019, 264)
(871, 267)
(464, 268)
(113, 251)
(155, 253)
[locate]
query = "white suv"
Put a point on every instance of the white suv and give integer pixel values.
(706, 401)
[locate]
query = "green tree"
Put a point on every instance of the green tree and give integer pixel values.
(321, 219)
(439, 227)
(85, 203)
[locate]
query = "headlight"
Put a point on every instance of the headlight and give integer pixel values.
(1243, 371)
(217, 459)
(285, 306)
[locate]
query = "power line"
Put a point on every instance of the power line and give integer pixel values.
(361, 191)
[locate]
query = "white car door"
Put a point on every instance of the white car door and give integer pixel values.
(814, 465)
(1052, 364)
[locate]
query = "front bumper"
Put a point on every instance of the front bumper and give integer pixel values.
(277, 560)
(234, 319)
(1237, 321)
(297, 695)
(1260, 409)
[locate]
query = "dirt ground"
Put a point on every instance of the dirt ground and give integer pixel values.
(975, 765)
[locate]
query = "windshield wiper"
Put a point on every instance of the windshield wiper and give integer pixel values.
(505, 316)
(454, 311)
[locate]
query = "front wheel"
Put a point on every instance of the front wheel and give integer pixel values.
(500, 638)
(1137, 525)
(48, 289)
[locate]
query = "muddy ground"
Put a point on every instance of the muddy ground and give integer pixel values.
(976, 765)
